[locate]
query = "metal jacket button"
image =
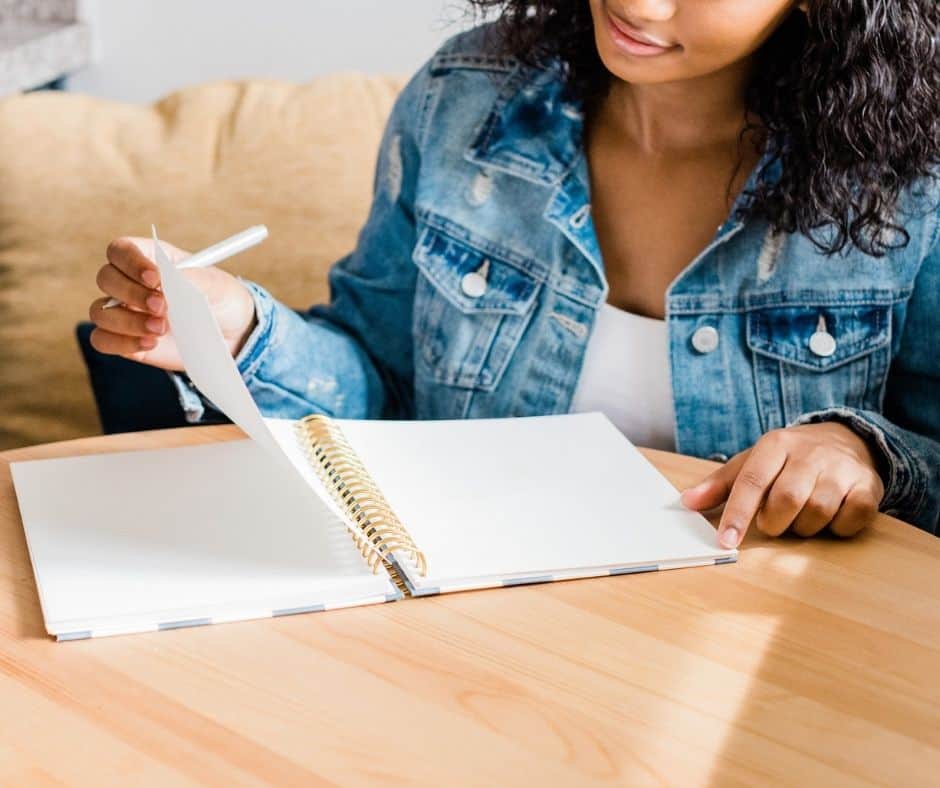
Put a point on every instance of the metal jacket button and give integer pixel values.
(705, 339)
(822, 343)
(473, 283)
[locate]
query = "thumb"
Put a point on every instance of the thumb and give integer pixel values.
(145, 245)
(715, 488)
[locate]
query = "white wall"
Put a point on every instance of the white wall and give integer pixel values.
(146, 48)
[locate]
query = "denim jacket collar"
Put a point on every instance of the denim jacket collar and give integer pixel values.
(513, 134)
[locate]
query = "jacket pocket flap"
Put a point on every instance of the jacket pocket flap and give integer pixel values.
(471, 279)
(787, 333)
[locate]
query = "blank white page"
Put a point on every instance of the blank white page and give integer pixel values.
(535, 495)
(142, 538)
(205, 355)
(212, 369)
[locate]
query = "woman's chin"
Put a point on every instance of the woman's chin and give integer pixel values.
(639, 70)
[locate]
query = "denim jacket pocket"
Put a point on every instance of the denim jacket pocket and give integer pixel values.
(471, 307)
(812, 356)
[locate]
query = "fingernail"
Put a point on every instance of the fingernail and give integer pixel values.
(150, 278)
(154, 325)
(147, 343)
(155, 303)
(729, 538)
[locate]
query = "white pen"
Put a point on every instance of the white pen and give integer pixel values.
(218, 252)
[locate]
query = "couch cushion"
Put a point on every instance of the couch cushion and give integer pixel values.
(201, 164)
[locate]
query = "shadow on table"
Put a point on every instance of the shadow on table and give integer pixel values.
(839, 693)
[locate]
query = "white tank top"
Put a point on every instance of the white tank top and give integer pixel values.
(626, 377)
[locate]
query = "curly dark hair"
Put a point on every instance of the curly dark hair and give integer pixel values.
(848, 98)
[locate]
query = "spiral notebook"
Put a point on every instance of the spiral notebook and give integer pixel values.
(319, 513)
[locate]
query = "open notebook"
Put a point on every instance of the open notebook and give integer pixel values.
(324, 513)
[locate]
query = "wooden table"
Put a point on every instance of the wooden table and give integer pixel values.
(813, 663)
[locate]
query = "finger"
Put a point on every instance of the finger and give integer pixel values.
(758, 472)
(116, 283)
(121, 345)
(714, 488)
(859, 509)
(788, 494)
(126, 322)
(821, 507)
(129, 258)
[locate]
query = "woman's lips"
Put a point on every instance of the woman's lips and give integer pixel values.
(623, 40)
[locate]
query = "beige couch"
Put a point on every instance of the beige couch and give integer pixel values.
(201, 164)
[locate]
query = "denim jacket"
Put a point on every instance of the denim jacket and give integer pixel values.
(482, 172)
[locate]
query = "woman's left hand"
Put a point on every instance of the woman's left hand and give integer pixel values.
(799, 478)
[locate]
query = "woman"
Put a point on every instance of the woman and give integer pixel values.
(543, 239)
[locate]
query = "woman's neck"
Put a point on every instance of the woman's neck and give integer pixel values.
(678, 118)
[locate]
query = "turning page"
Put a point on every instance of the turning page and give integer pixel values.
(212, 369)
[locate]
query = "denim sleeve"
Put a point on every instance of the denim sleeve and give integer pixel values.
(906, 438)
(353, 357)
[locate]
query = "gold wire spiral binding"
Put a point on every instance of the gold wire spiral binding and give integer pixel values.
(378, 532)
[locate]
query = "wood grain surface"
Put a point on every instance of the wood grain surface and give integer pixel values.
(808, 662)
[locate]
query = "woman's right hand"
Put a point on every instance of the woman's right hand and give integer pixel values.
(138, 329)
